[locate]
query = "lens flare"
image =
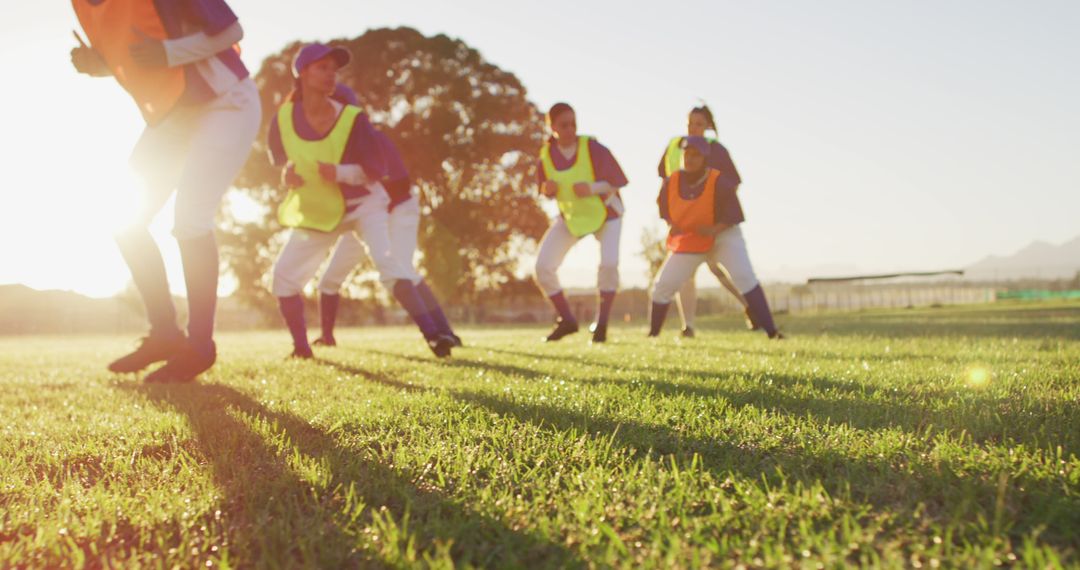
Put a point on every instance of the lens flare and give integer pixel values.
(978, 376)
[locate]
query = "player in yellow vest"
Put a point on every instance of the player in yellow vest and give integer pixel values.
(177, 61)
(584, 179)
(704, 215)
(332, 165)
(698, 123)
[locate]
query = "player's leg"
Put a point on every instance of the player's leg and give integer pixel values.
(686, 302)
(404, 227)
(296, 264)
(730, 252)
(220, 143)
(729, 285)
(677, 268)
(607, 278)
(158, 158)
(347, 255)
(371, 221)
(553, 249)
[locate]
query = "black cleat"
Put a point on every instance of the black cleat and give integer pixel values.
(599, 333)
(325, 341)
(456, 339)
(562, 328)
(183, 367)
(777, 335)
(688, 332)
(441, 345)
(152, 348)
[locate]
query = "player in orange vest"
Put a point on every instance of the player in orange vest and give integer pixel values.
(704, 215)
(177, 61)
(698, 123)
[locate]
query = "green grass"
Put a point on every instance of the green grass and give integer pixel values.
(865, 438)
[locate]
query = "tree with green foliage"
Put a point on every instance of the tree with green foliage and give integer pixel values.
(468, 135)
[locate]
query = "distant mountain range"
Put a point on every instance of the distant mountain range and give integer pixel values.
(1039, 260)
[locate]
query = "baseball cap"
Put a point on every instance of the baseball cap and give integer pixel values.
(314, 52)
(698, 143)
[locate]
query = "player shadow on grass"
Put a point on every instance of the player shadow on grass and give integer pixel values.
(1042, 423)
(274, 514)
(891, 483)
(887, 482)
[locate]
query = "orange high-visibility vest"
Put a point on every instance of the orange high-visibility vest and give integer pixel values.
(110, 27)
(688, 215)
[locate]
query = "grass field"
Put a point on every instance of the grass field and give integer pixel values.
(920, 438)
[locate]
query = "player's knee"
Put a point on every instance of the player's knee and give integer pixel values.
(745, 281)
(608, 277)
(192, 226)
(282, 284)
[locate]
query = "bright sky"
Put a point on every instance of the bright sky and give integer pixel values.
(870, 135)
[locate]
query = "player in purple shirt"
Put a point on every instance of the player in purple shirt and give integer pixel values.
(607, 178)
(194, 146)
(353, 180)
(404, 224)
(698, 123)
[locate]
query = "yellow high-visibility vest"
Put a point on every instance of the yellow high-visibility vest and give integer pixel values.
(583, 216)
(318, 204)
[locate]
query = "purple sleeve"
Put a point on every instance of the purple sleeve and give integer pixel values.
(214, 15)
(363, 149)
(605, 166)
(720, 159)
(274, 145)
(662, 202)
(662, 169)
(395, 165)
(727, 209)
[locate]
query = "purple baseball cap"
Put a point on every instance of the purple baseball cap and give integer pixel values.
(697, 143)
(314, 52)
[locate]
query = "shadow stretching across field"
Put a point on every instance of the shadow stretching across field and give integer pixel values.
(984, 419)
(275, 516)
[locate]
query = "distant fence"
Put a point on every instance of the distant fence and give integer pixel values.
(1038, 295)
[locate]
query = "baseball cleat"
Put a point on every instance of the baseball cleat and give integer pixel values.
(441, 345)
(562, 328)
(325, 341)
(152, 348)
(184, 366)
(599, 333)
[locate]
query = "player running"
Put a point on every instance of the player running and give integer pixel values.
(177, 61)
(404, 223)
(697, 124)
(582, 176)
(704, 213)
(332, 164)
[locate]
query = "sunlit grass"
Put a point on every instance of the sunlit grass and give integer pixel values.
(931, 438)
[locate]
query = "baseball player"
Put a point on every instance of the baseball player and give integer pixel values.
(177, 61)
(704, 213)
(404, 223)
(700, 121)
(582, 176)
(332, 164)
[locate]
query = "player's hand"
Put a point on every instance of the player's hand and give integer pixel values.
(148, 52)
(289, 178)
(328, 172)
(582, 189)
(88, 62)
(550, 188)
